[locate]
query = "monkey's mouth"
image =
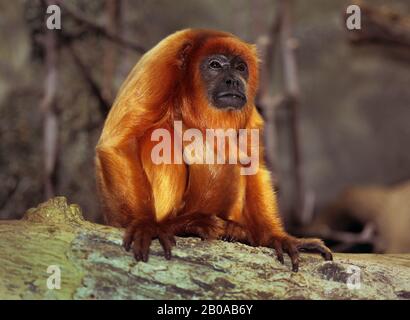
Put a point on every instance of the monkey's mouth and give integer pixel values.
(230, 100)
(231, 95)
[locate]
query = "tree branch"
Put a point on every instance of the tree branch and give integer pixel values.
(381, 25)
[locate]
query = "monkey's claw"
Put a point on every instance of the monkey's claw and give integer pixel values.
(293, 246)
(139, 237)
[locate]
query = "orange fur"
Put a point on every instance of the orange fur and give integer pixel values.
(207, 200)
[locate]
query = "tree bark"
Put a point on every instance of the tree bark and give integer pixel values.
(94, 265)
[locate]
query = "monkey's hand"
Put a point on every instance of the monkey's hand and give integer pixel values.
(209, 226)
(235, 232)
(140, 234)
(293, 246)
(205, 226)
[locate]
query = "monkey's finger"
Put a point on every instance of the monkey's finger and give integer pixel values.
(202, 235)
(166, 246)
(315, 246)
(128, 238)
(328, 256)
(137, 252)
(137, 255)
(228, 232)
(126, 243)
(293, 253)
(227, 238)
(172, 240)
(145, 243)
(136, 246)
(279, 251)
(294, 257)
(231, 231)
(324, 252)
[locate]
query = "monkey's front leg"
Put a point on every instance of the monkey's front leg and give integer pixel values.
(264, 224)
(128, 199)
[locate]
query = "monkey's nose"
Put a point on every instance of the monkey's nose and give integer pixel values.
(232, 82)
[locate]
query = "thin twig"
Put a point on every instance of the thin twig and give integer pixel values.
(381, 25)
(80, 17)
(103, 104)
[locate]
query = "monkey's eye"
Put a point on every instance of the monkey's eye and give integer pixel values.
(215, 64)
(241, 67)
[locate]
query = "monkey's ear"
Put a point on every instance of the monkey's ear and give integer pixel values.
(183, 54)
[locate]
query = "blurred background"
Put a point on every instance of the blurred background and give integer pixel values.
(336, 104)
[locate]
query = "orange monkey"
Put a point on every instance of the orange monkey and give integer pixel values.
(206, 80)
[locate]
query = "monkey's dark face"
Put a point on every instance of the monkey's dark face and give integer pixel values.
(225, 78)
